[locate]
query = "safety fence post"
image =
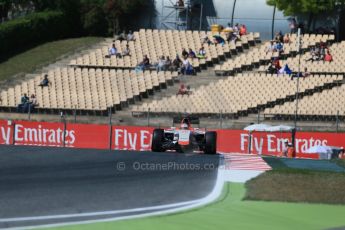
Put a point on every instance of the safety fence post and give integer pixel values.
(75, 114)
(14, 132)
(337, 121)
(258, 116)
(220, 119)
(29, 112)
(250, 142)
(110, 128)
(148, 117)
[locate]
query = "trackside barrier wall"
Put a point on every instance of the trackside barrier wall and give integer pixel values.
(139, 138)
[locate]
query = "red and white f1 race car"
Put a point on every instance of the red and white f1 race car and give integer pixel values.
(184, 139)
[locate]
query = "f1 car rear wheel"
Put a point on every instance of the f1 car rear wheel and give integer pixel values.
(211, 142)
(157, 140)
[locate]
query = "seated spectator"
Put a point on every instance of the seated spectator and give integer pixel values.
(113, 52)
(201, 53)
(243, 30)
(177, 63)
(206, 40)
(189, 91)
(228, 28)
(218, 40)
(144, 64)
(130, 36)
(279, 37)
(24, 99)
(276, 63)
(231, 37)
(184, 53)
(180, 3)
(182, 90)
(45, 81)
(301, 74)
(279, 47)
(236, 29)
(271, 47)
(191, 53)
(122, 36)
(187, 68)
(315, 55)
(160, 66)
(127, 51)
(328, 57)
(31, 104)
(286, 38)
(168, 63)
(274, 66)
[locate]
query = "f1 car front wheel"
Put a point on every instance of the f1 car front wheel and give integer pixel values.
(157, 140)
(211, 142)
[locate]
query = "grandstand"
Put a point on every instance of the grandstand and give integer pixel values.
(94, 84)
(260, 56)
(156, 43)
(239, 95)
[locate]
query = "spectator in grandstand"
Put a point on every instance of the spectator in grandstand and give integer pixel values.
(122, 36)
(160, 65)
(278, 37)
(24, 99)
(191, 53)
(276, 63)
(187, 68)
(206, 40)
(231, 37)
(228, 28)
(328, 57)
(184, 53)
(168, 63)
(243, 30)
(279, 47)
(45, 81)
(130, 36)
(236, 29)
(274, 66)
(113, 52)
(180, 3)
(127, 51)
(144, 64)
(189, 91)
(315, 54)
(30, 104)
(201, 53)
(177, 63)
(301, 74)
(293, 25)
(271, 47)
(286, 38)
(217, 39)
(182, 90)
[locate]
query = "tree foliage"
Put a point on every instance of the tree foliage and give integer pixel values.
(292, 7)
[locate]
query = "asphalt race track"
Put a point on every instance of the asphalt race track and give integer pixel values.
(37, 182)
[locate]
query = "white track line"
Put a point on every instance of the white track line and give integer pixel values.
(216, 192)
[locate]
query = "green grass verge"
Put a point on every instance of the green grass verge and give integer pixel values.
(234, 213)
(296, 185)
(39, 56)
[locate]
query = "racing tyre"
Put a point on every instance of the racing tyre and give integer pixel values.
(157, 140)
(210, 142)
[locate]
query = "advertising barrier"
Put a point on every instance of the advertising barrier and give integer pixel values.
(139, 138)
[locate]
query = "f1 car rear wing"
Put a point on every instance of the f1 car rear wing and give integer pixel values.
(192, 119)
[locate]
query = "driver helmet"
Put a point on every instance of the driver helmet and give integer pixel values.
(184, 126)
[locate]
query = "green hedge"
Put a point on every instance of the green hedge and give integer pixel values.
(22, 33)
